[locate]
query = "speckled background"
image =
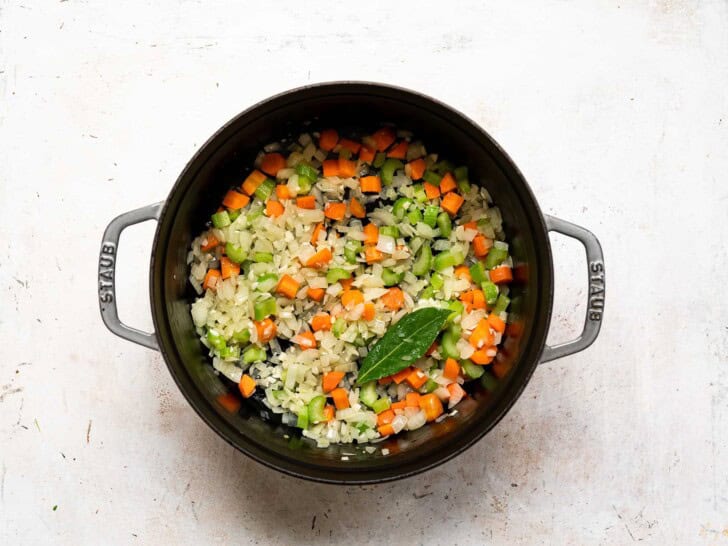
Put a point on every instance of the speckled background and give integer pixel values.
(616, 112)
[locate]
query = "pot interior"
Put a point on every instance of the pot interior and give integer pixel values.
(222, 162)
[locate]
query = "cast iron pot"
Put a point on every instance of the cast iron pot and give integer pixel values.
(219, 164)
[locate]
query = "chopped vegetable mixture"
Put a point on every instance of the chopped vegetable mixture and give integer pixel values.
(352, 286)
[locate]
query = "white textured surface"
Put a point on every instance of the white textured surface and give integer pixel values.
(616, 112)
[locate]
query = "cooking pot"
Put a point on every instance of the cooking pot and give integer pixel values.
(219, 164)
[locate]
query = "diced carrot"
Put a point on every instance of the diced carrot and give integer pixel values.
(385, 417)
(413, 399)
(456, 394)
(211, 243)
(331, 167)
(316, 294)
(254, 180)
(481, 246)
(331, 380)
(399, 150)
(329, 413)
(367, 154)
(452, 203)
(496, 323)
(432, 348)
(346, 283)
(288, 286)
(229, 401)
(471, 225)
(370, 184)
(351, 298)
(321, 321)
(432, 406)
(416, 378)
(266, 330)
(385, 380)
(385, 430)
(246, 386)
(371, 234)
(316, 235)
(328, 139)
(417, 168)
(306, 202)
(448, 183)
(463, 272)
(357, 209)
(481, 338)
(369, 312)
(273, 208)
(501, 274)
(212, 277)
(478, 299)
(384, 138)
(282, 192)
(432, 191)
(341, 398)
(393, 299)
(399, 405)
(320, 259)
(228, 267)
(335, 211)
(451, 369)
(401, 375)
(235, 200)
(305, 340)
(467, 297)
(372, 254)
(347, 168)
(350, 145)
(272, 163)
(481, 357)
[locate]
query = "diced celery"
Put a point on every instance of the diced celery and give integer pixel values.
(477, 273)
(316, 409)
(391, 278)
(231, 351)
(389, 231)
(336, 274)
(431, 212)
(501, 304)
(254, 354)
(267, 282)
(400, 207)
(233, 214)
(215, 339)
(306, 170)
(457, 308)
(302, 421)
(449, 344)
(352, 248)
(461, 173)
(424, 260)
(495, 257)
(380, 405)
(414, 216)
(221, 219)
(432, 177)
(263, 257)
(379, 159)
(464, 186)
(304, 184)
(444, 260)
(388, 168)
(235, 253)
(431, 386)
(368, 393)
(427, 293)
(243, 336)
(265, 190)
(264, 308)
(490, 290)
(445, 224)
(437, 281)
(339, 327)
(472, 371)
(419, 193)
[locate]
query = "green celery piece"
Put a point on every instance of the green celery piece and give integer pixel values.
(254, 354)
(490, 291)
(432, 177)
(235, 253)
(316, 409)
(381, 405)
(221, 219)
(424, 261)
(495, 257)
(445, 224)
(388, 169)
(336, 274)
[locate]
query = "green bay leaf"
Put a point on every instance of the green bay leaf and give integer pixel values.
(403, 343)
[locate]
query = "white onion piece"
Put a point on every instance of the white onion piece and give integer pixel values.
(386, 244)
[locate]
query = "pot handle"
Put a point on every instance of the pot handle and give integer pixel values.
(595, 304)
(107, 274)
